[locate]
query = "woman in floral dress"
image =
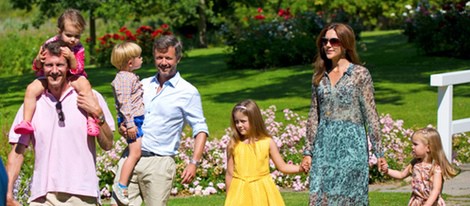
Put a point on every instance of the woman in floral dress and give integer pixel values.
(342, 115)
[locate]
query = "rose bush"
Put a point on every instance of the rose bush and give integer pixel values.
(272, 40)
(144, 36)
(447, 27)
(288, 132)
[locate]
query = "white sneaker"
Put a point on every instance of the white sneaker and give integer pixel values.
(121, 194)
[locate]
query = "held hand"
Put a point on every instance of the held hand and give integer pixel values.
(132, 133)
(66, 52)
(41, 55)
(12, 202)
(90, 104)
(382, 165)
(39, 60)
(123, 130)
(306, 163)
(188, 174)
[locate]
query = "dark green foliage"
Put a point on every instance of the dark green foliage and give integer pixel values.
(273, 43)
(441, 31)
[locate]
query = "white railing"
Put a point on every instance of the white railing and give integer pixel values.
(445, 124)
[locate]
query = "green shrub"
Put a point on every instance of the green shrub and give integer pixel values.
(280, 41)
(441, 31)
(18, 52)
(266, 41)
(461, 150)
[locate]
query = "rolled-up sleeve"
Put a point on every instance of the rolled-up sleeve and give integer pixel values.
(194, 115)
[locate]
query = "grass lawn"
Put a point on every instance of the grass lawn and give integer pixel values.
(296, 199)
(401, 78)
(400, 73)
(292, 199)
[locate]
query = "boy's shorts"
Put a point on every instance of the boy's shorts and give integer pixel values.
(138, 121)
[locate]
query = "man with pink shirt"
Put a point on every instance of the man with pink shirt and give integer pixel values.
(64, 166)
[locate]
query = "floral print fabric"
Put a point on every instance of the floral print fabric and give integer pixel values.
(421, 184)
(336, 138)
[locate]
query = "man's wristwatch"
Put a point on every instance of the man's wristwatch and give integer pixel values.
(100, 120)
(194, 162)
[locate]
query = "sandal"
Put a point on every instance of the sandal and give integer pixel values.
(92, 128)
(24, 127)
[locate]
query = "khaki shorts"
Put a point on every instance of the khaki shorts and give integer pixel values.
(60, 198)
(151, 181)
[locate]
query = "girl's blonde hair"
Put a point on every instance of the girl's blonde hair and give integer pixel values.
(348, 43)
(124, 52)
(257, 127)
(430, 137)
(74, 17)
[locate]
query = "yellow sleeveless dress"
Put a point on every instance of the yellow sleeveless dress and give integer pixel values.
(252, 183)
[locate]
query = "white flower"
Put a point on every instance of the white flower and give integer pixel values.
(174, 191)
(408, 7)
(221, 185)
(198, 190)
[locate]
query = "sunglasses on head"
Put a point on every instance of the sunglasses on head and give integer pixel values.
(333, 41)
(58, 108)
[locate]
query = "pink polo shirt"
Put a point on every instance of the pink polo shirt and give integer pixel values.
(64, 154)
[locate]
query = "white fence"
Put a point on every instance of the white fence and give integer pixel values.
(445, 124)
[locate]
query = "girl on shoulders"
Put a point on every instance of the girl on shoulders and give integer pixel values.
(70, 27)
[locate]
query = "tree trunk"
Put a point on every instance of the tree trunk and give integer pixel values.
(279, 3)
(202, 26)
(92, 43)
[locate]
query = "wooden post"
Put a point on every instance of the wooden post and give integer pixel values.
(444, 118)
(446, 126)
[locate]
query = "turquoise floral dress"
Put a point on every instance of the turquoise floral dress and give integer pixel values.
(340, 118)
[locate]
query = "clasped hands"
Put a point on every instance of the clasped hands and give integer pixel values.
(307, 163)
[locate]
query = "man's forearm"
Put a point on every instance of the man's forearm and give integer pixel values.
(105, 139)
(15, 160)
(200, 142)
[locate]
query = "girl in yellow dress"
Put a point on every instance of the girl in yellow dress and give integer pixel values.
(248, 178)
(428, 169)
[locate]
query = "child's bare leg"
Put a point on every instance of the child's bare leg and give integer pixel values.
(120, 188)
(83, 87)
(131, 161)
(33, 91)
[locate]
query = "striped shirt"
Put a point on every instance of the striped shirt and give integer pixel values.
(128, 97)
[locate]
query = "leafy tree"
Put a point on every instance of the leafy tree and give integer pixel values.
(183, 13)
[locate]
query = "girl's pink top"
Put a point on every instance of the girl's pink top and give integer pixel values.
(79, 52)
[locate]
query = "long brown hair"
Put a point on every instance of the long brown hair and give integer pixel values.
(257, 127)
(431, 138)
(348, 43)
